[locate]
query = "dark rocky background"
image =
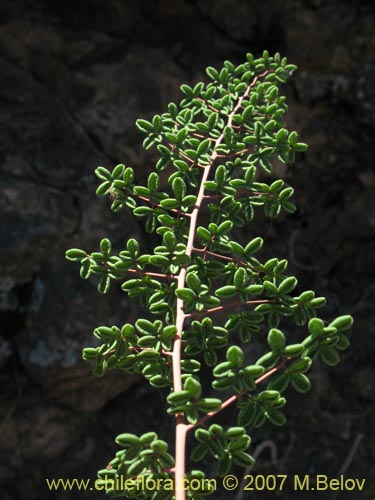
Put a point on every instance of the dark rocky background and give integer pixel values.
(74, 77)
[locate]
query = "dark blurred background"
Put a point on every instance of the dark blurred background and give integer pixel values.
(74, 77)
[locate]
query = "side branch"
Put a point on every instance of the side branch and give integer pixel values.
(227, 306)
(235, 397)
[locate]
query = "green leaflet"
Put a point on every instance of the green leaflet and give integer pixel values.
(235, 356)
(276, 339)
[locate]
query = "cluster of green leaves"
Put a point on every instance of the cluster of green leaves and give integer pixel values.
(141, 469)
(226, 446)
(136, 349)
(256, 408)
(187, 136)
(231, 375)
(234, 127)
(145, 456)
(245, 275)
(190, 402)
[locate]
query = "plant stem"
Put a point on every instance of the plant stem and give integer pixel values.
(181, 426)
(153, 204)
(147, 273)
(233, 304)
(180, 317)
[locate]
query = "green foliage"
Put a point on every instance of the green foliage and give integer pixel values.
(217, 147)
(226, 446)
